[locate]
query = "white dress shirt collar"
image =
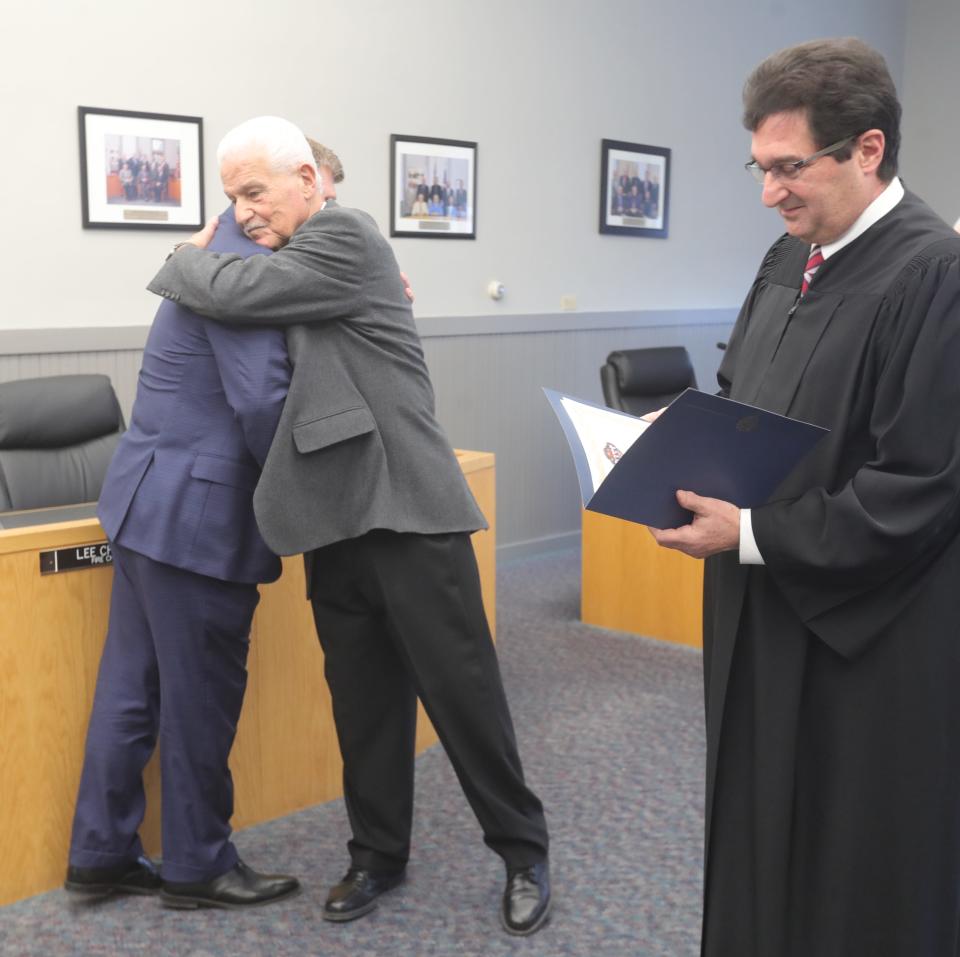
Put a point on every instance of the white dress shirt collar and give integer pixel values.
(872, 214)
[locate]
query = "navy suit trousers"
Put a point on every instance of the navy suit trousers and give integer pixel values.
(173, 673)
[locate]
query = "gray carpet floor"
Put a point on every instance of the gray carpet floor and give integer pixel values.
(611, 734)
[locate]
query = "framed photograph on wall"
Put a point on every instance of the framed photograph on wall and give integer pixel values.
(634, 189)
(140, 170)
(433, 188)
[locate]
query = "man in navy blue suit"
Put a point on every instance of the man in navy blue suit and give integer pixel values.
(177, 506)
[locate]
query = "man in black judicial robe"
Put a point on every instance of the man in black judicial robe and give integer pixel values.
(832, 667)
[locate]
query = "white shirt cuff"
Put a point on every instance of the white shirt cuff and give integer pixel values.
(749, 553)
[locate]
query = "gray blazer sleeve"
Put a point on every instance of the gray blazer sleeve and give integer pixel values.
(315, 277)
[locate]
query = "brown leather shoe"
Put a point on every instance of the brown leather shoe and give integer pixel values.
(357, 893)
(526, 899)
(132, 877)
(238, 888)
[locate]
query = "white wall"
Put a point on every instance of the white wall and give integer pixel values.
(930, 156)
(537, 83)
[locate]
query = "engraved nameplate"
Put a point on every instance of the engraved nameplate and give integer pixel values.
(71, 559)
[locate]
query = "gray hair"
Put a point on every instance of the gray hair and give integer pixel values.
(279, 140)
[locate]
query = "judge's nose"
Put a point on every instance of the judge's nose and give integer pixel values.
(774, 192)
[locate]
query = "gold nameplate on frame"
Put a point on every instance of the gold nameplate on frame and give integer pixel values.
(151, 215)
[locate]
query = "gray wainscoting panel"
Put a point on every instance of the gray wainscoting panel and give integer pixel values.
(488, 383)
(121, 365)
(489, 397)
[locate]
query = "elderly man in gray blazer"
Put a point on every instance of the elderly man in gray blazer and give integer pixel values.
(361, 479)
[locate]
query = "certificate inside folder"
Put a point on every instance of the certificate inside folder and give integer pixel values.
(703, 443)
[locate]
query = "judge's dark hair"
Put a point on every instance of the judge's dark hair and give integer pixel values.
(842, 84)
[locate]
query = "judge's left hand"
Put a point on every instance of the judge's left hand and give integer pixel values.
(202, 238)
(715, 527)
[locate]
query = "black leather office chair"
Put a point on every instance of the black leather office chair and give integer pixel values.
(641, 380)
(57, 435)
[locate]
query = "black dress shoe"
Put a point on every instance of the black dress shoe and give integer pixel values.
(526, 899)
(132, 877)
(357, 893)
(240, 887)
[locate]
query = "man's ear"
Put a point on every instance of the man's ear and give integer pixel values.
(871, 149)
(308, 179)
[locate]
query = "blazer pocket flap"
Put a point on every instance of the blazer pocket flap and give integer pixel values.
(331, 429)
(213, 468)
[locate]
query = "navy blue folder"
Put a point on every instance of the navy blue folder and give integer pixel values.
(703, 443)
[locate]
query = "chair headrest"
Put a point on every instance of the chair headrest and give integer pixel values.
(661, 369)
(57, 411)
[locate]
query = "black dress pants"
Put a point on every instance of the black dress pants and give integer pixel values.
(399, 616)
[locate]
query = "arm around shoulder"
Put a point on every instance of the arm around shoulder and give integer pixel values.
(315, 277)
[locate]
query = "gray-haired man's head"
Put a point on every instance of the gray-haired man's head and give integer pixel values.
(269, 174)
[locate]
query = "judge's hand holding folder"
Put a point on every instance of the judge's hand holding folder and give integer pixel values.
(715, 527)
(687, 473)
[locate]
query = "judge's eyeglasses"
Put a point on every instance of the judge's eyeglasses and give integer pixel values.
(789, 171)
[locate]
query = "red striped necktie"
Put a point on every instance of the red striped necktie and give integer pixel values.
(813, 264)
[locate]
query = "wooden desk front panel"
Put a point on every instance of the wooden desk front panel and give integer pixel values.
(632, 584)
(51, 635)
(52, 630)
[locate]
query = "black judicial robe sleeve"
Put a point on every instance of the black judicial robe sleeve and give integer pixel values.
(849, 558)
